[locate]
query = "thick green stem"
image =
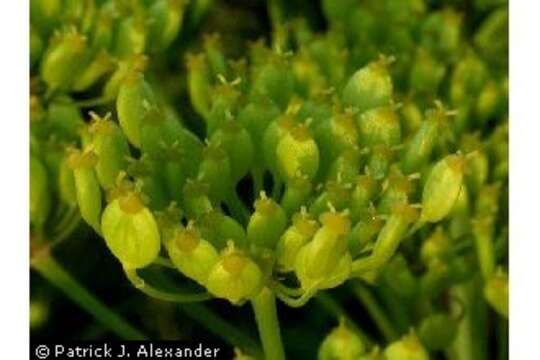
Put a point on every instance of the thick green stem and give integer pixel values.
(221, 328)
(264, 306)
(51, 270)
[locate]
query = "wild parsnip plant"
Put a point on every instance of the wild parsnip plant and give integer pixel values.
(370, 155)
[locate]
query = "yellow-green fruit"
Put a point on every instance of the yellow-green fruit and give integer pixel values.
(297, 153)
(297, 235)
(192, 255)
(325, 262)
(135, 102)
(341, 344)
(87, 187)
(63, 60)
(437, 331)
(369, 87)
(407, 348)
(235, 277)
(442, 188)
(267, 223)
(131, 232)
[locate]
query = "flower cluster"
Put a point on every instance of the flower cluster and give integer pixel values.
(306, 163)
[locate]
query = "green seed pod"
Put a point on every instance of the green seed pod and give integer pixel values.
(219, 228)
(225, 101)
(237, 143)
(309, 79)
(297, 193)
(468, 78)
(39, 312)
(66, 184)
(397, 190)
(130, 231)
(379, 125)
(426, 73)
(441, 33)
(111, 148)
(214, 53)
(379, 161)
(363, 233)
(498, 146)
(102, 32)
(267, 223)
(407, 348)
(389, 238)
(87, 186)
(419, 149)
(255, 118)
(101, 65)
(492, 37)
(235, 277)
(325, 262)
(297, 235)
(491, 101)
(336, 193)
(274, 79)
(369, 87)
(64, 60)
(64, 119)
(365, 188)
(442, 188)
(412, 117)
(329, 53)
(364, 28)
(130, 37)
(496, 292)
(272, 135)
(315, 111)
(133, 64)
(192, 254)
(136, 101)
(215, 170)
(345, 167)
(166, 20)
(477, 170)
(297, 154)
(72, 10)
(36, 46)
(44, 14)
(40, 202)
(88, 15)
(196, 201)
(436, 247)
(334, 135)
(199, 84)
(341, 344)
(437, 331)
(147, 174)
